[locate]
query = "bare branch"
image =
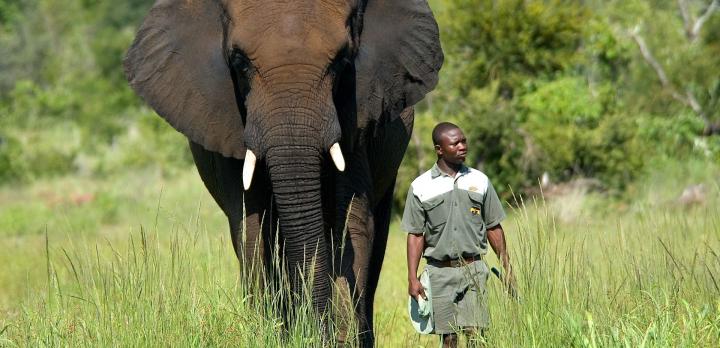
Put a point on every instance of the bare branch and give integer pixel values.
(682, 4)
(692, 31)
(649, 58)
(689, 98)
(704, 18)
(695, 106)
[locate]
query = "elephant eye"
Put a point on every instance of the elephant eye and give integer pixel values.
(241, 63)
(338, 69)
(342, 59)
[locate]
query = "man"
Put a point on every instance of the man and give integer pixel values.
(451, 214)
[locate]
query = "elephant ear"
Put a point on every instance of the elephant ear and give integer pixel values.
(177, 64)
(398, 59)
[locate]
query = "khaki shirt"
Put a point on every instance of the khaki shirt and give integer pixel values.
(453, 213)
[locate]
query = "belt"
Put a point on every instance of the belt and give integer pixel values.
(454, 262)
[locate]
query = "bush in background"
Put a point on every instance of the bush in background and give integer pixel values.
(539, 86)
(560, 87)
(65, 106)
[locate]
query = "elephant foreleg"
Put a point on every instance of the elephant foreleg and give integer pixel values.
(386, 151)
(251, 231)
(381, 220)
(353, 238)
(249, 213)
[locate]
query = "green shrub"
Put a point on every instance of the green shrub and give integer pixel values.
(147, 141)
(576, 136)
(668, 135)
(9, 149)
(45, 152)
(508, 41)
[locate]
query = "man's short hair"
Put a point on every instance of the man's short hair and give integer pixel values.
(441, 128)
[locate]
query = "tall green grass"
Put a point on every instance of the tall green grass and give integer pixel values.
(647, 278)
(160, 271)
(171, 283)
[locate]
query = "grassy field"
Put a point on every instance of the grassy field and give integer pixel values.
(142, 260)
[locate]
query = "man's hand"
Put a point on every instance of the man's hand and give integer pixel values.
(416, 289)
(496, 237)
(415, 246)
(509, 282)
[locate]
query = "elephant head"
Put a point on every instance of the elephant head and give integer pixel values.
(285, 82)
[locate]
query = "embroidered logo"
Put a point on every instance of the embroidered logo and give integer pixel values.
(473, 189)
(474, 211)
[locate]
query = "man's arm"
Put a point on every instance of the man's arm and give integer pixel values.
(415, 247)
(496, 237)
(413, 222)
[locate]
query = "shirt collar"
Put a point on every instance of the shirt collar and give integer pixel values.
(435, 171)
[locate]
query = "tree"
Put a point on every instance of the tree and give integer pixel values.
(688, 85)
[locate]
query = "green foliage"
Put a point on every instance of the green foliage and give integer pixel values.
(510, 40)
(8, 10)
(494, 136)
(51, 131)
(539, 86)
(148, 142)
(577, 136)
(65, 105)
(559, 115)
(560, 87)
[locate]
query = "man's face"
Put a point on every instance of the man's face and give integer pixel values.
(452, 147)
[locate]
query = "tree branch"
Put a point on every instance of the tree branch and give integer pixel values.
(649, 58)
(682, 4)
(695, 106)
(704, 18)
(688, 99)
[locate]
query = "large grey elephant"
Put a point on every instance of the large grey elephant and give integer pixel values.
(295, 109)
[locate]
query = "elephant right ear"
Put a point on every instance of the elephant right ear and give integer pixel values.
(177, 64)
(399, 57)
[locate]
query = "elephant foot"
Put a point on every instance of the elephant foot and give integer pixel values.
(364, 340)
(351, 328)
(367, 339)
(343, 311)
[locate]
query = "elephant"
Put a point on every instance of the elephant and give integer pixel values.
(298, 114)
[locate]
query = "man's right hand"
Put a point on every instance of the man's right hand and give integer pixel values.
(416, 289)
(415, 246)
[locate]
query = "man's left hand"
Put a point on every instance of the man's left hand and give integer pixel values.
(510, 284)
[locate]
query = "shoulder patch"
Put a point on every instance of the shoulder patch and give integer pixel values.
(475, 181)
(425, 187)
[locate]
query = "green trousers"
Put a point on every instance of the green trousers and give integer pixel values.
(459, 296)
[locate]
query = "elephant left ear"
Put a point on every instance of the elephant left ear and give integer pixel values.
(398, 59)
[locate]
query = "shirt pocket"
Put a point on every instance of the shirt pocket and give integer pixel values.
(476, 207)
(437, 214)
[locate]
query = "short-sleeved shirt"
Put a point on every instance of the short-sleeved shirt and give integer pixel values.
(453, 213)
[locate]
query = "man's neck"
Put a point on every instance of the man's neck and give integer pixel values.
(449, 168)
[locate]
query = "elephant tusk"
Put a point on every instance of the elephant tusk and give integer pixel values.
(337, 157)
(248, 169)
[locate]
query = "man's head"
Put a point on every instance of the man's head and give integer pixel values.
(450, 143)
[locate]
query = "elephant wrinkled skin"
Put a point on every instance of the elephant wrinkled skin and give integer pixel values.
(267, 88)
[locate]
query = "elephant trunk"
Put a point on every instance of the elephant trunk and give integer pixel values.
(293, 126)
(295, 175)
